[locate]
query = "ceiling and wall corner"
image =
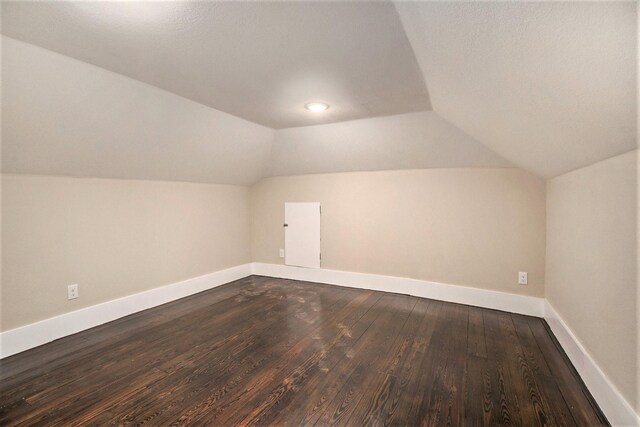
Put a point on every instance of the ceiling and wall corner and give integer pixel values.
(260, 61)
(408, 141)
(67, 118)
(549, 86)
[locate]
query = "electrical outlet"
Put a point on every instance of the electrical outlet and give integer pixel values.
(281, 253)
(522, 278)
(72, 291)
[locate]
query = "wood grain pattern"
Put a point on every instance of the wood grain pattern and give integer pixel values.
(263, 351)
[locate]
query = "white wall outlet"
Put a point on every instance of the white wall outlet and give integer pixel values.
(522, 278)
(72, 291)
(281, 253)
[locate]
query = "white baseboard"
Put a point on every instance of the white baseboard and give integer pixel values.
(35, 334)
(30, 336)
(618, 411)
(513, 303)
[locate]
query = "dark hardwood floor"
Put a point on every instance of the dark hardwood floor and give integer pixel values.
(263, 351)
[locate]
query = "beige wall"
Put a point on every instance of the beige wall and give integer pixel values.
(473, 227)
(591, 262)
(113, 238)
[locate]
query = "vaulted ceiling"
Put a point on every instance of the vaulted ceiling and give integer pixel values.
(261, 61)
(214, 91)
(65, 117)
(550, 86)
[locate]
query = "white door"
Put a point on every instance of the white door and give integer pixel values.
(302, 234)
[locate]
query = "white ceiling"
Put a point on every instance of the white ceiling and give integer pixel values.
(408, 141)
(66, 117)
(551, 86)
(261, 61)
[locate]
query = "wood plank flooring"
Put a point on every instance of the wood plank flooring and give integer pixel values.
(263, 351)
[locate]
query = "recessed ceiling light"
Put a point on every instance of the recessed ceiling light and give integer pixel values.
(316, 107)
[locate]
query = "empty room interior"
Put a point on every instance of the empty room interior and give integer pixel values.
(313, 213)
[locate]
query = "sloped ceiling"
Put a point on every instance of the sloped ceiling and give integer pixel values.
(261, 61)
(551, 86)
(408, 141)
(65, 117)
(548, 87)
